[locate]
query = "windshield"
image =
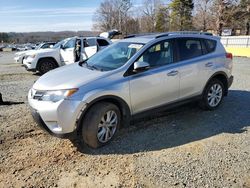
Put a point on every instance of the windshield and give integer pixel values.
(114, 56)
(39, 46)
(57, 45)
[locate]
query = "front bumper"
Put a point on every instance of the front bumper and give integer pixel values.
(28, 68)
(29, 64)
(36, 116)
(59, 118)
(17, 59)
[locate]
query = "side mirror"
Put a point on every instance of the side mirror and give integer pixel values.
(50, 46)
(62, 47)
(140, 66)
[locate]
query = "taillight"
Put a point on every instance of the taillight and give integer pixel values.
(229, 55)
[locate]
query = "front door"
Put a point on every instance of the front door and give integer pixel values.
(67, 52)
(159, 84)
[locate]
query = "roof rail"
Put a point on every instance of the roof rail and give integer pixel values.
(158, 35)
(183, 33)
(138, 35)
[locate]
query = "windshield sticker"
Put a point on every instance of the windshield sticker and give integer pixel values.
(136, 46)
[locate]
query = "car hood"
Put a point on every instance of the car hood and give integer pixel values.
(67, 77)
(24, 52)
(40, 51)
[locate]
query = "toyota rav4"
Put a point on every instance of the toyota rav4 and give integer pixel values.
(94, 98)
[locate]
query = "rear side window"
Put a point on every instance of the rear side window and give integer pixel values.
(210, 45)
(91, 42)
(189, 48)
(102, 42)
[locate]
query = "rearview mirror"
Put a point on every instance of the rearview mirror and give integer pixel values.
(140, 66)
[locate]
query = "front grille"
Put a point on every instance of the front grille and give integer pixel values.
(37, 95)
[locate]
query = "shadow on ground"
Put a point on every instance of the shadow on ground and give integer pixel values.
(180, 126)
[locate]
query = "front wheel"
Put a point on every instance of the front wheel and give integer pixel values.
(100, 124)
(45, 65)
(213, 95)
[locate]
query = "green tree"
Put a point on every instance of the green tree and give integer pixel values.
(162, 19)
(181, 14)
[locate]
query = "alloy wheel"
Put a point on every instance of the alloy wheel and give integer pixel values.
(214, 95)
(107, 126)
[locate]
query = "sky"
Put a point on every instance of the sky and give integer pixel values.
(48, 15)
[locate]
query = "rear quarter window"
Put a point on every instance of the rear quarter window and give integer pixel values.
(102, 42)
(210, 45)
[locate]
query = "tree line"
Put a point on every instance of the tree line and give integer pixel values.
(176, 15)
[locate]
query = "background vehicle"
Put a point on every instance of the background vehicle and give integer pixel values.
(94, 98)
(65, 52)
(19, 56)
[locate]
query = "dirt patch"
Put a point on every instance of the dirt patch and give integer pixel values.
(183, 147)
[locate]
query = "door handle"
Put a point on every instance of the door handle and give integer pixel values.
(209, 64)
(172, 73)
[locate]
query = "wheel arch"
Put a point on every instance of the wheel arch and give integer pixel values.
(42, 58)
(222, 76)
(119, 102)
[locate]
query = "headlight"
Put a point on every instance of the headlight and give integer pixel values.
(53, 96)
(32, 56)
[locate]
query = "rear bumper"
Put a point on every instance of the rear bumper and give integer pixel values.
(230, 81)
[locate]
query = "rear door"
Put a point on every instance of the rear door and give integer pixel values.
(193, 66)
(90, 46)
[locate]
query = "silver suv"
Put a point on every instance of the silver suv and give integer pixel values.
(94, 98)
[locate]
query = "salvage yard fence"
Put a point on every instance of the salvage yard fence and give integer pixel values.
(236, 41)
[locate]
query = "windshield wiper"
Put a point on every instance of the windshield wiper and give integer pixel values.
(92, 67)
(96, 68)
(82, 62)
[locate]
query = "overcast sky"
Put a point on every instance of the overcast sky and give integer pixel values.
(48, 15)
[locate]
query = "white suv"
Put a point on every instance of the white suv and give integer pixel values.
(19, 56)
(65, 52)
(94, 98)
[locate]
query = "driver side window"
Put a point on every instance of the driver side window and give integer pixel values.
(69, 44)
(159, 54)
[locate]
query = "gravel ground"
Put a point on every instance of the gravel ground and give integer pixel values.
(183, 147)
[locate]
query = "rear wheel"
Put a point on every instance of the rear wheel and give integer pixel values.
(45, 65)
(213, 95)
(100, 124)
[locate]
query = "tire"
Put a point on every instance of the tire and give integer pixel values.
(22, 60)
(94, 130)
(213, 95)
(45, 65)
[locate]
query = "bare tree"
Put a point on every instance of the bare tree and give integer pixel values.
(223, 10)
(149, 16)
(203, 16)
(112, 14)
(105, 17)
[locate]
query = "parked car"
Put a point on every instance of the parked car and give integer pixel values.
(19, 56)
(135, 76)
(65, 52)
